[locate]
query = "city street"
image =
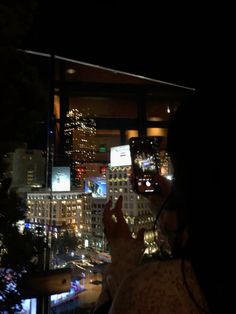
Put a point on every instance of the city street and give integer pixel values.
(84, 301)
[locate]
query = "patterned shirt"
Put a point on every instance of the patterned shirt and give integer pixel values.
(160, 288)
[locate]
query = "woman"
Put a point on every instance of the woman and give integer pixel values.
(195, 280)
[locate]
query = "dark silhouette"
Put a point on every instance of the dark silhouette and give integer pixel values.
(200, 144)
(196, 278)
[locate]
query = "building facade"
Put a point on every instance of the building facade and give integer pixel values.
(26, 168)
(71, 210)
(136, 208)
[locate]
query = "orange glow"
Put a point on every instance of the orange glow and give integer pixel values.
(155, 119)
(156, 132)
(57, 106)
(131, 133)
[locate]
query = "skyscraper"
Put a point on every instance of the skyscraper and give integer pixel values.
(80, 145)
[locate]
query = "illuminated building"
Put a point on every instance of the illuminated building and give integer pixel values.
(74, 211)
(80, 130)
(71, 210)
(79, 133)
(136, 208)
(97, 234)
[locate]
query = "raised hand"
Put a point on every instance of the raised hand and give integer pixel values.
(119, 236)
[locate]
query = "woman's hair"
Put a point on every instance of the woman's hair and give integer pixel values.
(199, 139)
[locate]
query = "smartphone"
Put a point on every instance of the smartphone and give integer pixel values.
(145, 160)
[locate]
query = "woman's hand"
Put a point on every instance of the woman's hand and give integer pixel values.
(118, 234)
(126, 251)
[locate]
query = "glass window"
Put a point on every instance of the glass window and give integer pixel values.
(105, 107)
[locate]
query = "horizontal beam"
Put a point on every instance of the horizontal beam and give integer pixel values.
(125, 124)
(47, 283)
(111, 89)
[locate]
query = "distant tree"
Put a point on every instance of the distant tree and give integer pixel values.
(19, 252)
(66, 243)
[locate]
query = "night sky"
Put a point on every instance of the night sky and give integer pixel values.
(142, 40)
(183, 45)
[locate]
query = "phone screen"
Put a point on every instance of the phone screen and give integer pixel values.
(145, 163)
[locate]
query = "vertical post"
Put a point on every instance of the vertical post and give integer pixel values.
(64, 107)
(51, 147)
(142, 115)
(43, 302)
(122, 137)
(51, 124)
